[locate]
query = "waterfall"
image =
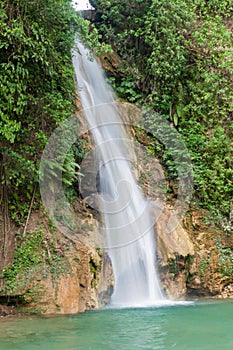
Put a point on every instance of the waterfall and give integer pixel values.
(129, 233)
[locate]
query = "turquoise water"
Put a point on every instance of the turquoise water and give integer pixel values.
(201, 325)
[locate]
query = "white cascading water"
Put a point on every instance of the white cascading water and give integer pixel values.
(129, 232)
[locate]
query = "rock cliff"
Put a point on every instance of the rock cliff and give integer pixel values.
(75, 275)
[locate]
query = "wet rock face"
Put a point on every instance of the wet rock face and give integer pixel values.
(88, 284)
(227, 292)
(174, 254)
(75, 291)
(106, 284)
(7, 310)
(172, 243)
(175, 287)
(76, 280)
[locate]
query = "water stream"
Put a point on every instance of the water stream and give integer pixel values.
(197, 326)
(129, 232)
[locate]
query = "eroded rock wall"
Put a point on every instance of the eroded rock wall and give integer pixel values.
(188, 256)
(69, 278)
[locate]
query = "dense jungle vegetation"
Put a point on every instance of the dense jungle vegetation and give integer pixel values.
(37, 91)
(176, 58)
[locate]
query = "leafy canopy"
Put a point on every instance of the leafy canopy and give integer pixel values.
(177, 58)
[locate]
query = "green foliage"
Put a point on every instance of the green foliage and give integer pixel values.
(208, 109)
(203, 266)
(37, 90)
(225, 263)
(149, 36)
(90, 36)
(177, 58)
(127, 89)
